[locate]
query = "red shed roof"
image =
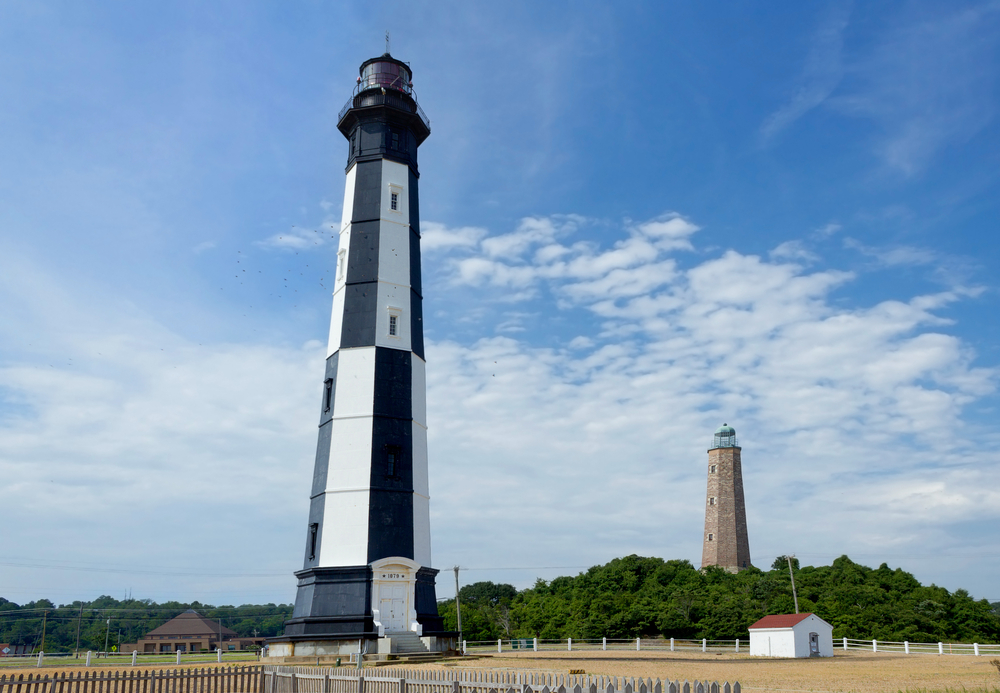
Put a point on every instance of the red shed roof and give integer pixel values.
(780, 621)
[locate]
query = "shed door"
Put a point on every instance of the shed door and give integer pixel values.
(814, 644)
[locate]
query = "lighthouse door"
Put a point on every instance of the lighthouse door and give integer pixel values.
(395, 606)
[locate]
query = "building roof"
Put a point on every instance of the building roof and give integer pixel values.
(780, 621)
(191, 623)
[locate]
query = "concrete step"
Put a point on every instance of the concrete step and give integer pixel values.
(407, 643)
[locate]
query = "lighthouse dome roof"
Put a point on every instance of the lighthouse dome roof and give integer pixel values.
(725, 437)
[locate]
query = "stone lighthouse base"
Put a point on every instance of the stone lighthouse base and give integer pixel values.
(386, 609)
(403, 645)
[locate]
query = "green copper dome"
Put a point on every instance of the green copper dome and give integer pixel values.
(725, 437)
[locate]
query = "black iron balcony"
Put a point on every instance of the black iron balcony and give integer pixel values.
(401, 97)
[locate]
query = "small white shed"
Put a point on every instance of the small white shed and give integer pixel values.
(791, 635)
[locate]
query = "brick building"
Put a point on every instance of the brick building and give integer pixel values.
(725, 543)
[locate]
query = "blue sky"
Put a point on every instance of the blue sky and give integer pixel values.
(640, 221)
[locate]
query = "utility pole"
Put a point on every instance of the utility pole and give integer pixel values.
(45, 616)
(792, 575)
(107, 633)
(78, 619)
(458, 609)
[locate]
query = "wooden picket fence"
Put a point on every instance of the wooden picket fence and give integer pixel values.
(278, 679)
(194, 680)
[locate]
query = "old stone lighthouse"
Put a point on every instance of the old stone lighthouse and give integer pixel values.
(725, 542)
(366, 574)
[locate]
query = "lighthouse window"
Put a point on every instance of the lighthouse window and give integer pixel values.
(395, 140)
(394, 202)
(313, 531)
(711, 537)
(711, 469)
(711, 501)
(327, 394)
(393, 325)
(392, 454)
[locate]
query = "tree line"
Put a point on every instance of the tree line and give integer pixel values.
(130, 619)
(650, 597)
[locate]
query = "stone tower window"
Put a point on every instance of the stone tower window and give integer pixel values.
(711, 469)
(711, 501)
(711, 537)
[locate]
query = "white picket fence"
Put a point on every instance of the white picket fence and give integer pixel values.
(714, 646)
(282, 679)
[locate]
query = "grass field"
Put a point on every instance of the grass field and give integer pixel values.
(850, 671)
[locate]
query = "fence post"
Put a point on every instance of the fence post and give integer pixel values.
(569, 644)
(534, 644)
(604, 643)
(874, 645)
(975, 648)
(465, 647)
(704, 644)
(41, 658)
(845, 643)
(499, 645)
(906, 646)
(671, 644)
(940, 648)
(361, 684)
(737, 645)
(218, 657)
(88, 658)
(178, 656)
(135, 655)
(637, 645)
(402, 685)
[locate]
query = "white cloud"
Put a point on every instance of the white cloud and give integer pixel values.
(297, 239)
(565, 454)
(824, 397)
(927, 84)
(435, 236)
(821, 73)
(793, 250)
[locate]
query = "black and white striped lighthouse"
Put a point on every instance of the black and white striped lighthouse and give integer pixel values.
(366, 573)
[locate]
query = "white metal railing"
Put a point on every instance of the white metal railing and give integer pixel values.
(939, 648)
(739, 645)
(584, 644)
(106, 659)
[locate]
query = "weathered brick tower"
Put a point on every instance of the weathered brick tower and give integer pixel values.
(725, 541)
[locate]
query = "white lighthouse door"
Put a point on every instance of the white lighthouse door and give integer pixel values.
(397, 609)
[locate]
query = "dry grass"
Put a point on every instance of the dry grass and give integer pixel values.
(847, 671)
(9, 671)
